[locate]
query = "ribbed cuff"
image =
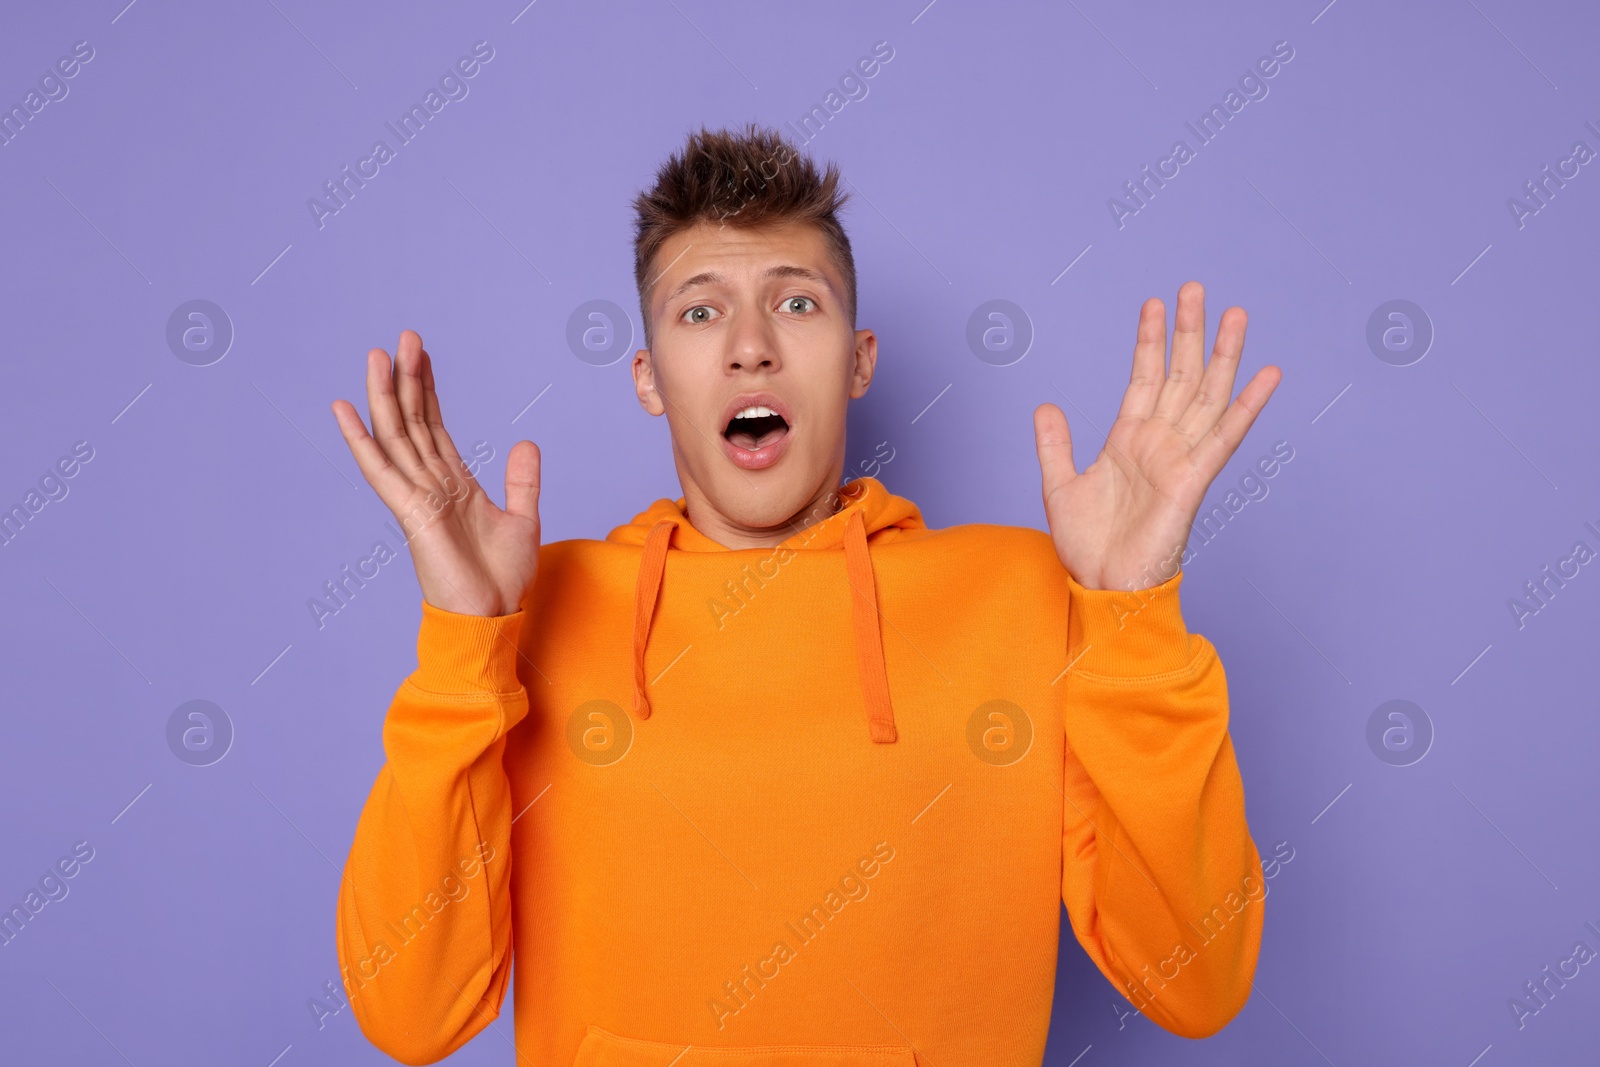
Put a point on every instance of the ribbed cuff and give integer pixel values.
(467, 654)
(1127, 633)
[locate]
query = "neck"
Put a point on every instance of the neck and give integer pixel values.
(729, 532)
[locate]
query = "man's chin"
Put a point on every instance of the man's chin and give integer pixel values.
(774, 498)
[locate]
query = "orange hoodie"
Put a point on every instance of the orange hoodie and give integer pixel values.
(817, 804)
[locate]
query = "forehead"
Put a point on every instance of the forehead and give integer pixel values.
(739, 253)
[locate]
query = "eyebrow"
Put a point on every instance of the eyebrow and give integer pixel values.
(711, 277)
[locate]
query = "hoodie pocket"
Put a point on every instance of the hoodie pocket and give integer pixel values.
(601, 1048)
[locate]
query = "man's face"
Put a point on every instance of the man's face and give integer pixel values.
(752, 321)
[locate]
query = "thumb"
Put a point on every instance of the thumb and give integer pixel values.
(1054, 442)
(522, 480)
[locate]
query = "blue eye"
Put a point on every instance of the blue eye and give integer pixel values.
(804, 300)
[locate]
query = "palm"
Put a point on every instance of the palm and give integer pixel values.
(471, 557)
(1124, 521)
(484, 555)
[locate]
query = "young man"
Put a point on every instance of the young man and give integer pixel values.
(775, 774)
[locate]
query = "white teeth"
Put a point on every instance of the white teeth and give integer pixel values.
(755, 411)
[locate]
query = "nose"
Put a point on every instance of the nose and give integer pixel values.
(752, 344)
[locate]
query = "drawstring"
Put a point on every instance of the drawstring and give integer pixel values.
(869, 638)
(651, 566)
(863, 609)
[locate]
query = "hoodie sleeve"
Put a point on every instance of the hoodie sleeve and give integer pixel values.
(424, 916)
(1161, 879)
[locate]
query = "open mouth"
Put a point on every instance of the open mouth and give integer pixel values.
(756, 436)
(755, 427)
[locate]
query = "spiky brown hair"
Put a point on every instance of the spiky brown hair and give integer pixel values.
(748, 179)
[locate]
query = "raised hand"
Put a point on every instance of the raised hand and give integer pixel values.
(471, 557)
(1124, 522)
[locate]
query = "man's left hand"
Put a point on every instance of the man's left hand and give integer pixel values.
(1124, 522)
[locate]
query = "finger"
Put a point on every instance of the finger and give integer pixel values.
(1217, 384)
(522, 480)
(1149, 361)
(1212, 452)
(391, 485)
(435, 422)
(408, 387)
(1188, 352)
(384, 410)
(1053, 439)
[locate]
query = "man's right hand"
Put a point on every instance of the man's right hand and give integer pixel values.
(472, 558)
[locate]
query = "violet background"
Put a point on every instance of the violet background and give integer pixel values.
(1378, 567)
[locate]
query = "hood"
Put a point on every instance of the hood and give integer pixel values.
(869, 515)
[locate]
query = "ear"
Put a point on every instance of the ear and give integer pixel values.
(866, 361)
(644, 382)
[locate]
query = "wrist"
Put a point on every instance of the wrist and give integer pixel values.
(456, 606)
(1130, 579)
